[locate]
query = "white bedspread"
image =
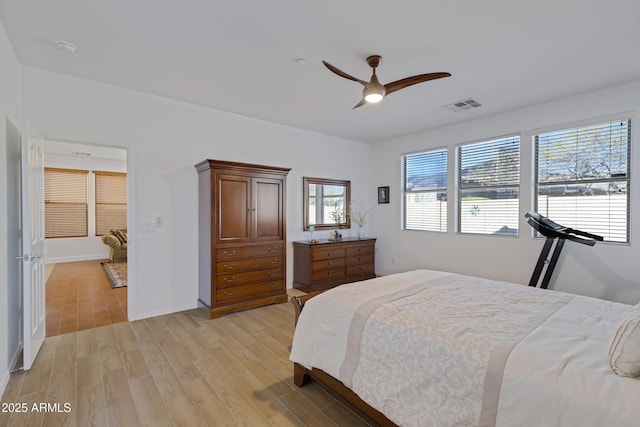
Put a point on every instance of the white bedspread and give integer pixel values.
(429, 348)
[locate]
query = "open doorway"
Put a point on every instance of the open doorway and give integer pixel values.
(85, 210)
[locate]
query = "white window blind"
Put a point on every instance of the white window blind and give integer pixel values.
(424, 182)
(488, 186)
(582, 178)
(111, 201)
(65, 202)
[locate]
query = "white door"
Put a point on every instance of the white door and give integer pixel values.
(33, 243)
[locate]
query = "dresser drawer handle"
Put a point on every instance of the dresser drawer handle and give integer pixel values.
(229, 279)
(272, 249)
(329, 263)
(228, 293)
(328, 253)
(273, 261)
(271, 273)
(233, 252)
(272, 285)
(229, 266)
(330, 273)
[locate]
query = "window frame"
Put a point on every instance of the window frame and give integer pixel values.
(459, 186)
(47, 203)
(629, 117)
(444, 150)
(96, 202)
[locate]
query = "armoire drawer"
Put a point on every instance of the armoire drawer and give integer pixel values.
(232, 266)
(236, 252)
(233, 279)
(253, 289)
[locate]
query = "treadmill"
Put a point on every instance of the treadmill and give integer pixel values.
(555, 233)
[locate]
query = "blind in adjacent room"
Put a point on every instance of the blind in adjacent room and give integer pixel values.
(582, 178)
(488, 186)
(65, 202)
(424, 187)
(111, 201)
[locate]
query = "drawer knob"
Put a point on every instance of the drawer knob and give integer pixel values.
(328, 253)
(228, 293)
(329, 273)
(329, 263)
(229, 253)
(229, 279)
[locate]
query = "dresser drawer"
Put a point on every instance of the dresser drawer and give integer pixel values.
(244, 291)
(360, 259)
(355, 270)
(232, 266)
(324, 275)
(359, 250)
(327, 264)
(320, 254)
(233, 279)
(248, 251)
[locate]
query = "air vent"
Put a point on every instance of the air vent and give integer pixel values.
(467, 104)
(81, 154)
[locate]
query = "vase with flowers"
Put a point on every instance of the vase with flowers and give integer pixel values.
(360, 218)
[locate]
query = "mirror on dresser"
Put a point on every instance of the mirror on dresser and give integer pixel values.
(326, 203)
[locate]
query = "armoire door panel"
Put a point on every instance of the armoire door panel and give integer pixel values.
(268, 209)
(234, 212)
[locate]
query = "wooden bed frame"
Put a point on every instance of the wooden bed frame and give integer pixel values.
(302, 374)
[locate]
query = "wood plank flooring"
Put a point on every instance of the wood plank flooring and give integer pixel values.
(79, 296)
(181, 369)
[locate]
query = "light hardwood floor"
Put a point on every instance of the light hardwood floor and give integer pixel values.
(180, 369)
(79, 296)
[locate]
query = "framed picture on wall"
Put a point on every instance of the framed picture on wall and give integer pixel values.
(383, 194)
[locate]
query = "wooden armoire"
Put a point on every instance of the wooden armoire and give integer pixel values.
(242, 235)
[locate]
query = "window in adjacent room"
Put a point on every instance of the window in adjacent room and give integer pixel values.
(582, 178)
(488, 179)
(111, 201)
(424, 187)
(65, 202)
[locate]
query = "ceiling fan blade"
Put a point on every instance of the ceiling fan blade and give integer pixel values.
(409, 81)
(359, 104)
(341, 73)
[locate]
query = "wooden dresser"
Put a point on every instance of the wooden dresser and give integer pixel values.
(242, 234)
(327, 264)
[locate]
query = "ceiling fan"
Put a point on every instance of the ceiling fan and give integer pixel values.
(374, 91)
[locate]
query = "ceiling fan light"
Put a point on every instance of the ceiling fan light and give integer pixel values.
(373, 97)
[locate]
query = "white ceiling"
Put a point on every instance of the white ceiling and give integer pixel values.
(241, 56)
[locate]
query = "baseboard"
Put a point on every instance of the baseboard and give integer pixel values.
(93, 257)
(163, 312)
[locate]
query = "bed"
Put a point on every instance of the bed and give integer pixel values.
(429, 348)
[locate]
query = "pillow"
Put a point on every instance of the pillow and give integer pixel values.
(624, 352)
(120, 235)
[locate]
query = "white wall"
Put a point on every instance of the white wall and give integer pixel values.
(10, 108)
(164, 139)
(609, 271)
(57, 154)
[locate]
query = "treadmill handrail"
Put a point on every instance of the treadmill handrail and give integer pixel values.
(549, 228)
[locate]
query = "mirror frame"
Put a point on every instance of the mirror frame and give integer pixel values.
(305, 202)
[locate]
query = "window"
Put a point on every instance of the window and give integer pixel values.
(424, 187)
(111, 201)
(65, 202)
(488, 186)
(582, 178)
